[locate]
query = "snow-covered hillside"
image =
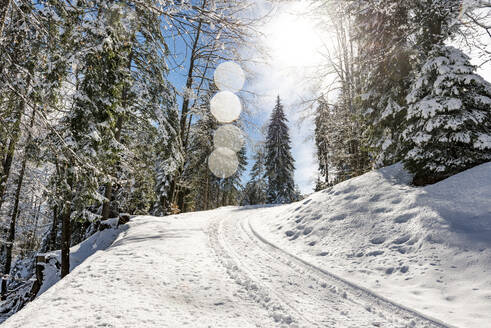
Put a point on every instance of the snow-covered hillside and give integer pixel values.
(98, 241)
(371, 251)
(427, 248)
(32, 283)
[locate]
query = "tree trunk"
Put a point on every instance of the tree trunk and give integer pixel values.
(178, 192)
(106, 206)
(7, 162)
(15, 211)
(207, 190)
(66, 233)
(189, 83)
(11, 235)
(53, 232)
(32, 242)
(65, 243)
(54, 227)
(108, 192)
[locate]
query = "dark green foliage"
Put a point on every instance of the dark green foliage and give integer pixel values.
(322, 144)
(279, 161)
(449, 117)
(383, 73)
(255, 190)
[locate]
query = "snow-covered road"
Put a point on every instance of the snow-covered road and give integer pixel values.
(297, 292)
(205, 269)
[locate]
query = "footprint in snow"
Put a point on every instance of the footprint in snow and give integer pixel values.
(401, 240)
(307, 230)
(377, 240)
(403, 218)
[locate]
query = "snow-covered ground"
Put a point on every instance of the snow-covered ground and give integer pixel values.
(98, 241)
(161, 272)
(426, 248)
(370, 252)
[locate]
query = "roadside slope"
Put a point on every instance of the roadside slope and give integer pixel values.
(426, 248)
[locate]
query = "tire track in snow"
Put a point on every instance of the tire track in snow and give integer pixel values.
(377, 301)
(255, 289)
(310, 300)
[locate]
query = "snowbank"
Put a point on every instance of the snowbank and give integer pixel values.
(427, 248)
(79, 253)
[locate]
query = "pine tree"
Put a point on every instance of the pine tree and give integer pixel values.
(255, 190)
(321, 131)
(231, 187)
(382, 69)
(279, 161)
(449, 117)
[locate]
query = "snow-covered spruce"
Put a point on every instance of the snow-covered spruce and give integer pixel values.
(449, 117)
(279, 161)
(255, 189)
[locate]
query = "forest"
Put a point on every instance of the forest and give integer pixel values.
(105, 109)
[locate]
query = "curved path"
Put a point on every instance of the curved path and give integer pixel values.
(206, 269)
(302, 293)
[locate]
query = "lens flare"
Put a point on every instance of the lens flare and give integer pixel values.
(229, 136)
(226, 107)
(223, 162)
(229, 77)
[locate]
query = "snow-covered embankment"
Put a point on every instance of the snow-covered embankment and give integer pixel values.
(426, 248)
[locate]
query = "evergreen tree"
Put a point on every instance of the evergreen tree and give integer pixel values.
(255, 190)
(169, 157)
(382, 70)
(449, 117)
(348, 151)
(19, 50)
(203, 183)
(321, 131)
(231, 188)
(208, 191)
(436, 21)
(279, 161)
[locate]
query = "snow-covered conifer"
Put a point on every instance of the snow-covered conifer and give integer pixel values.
(322, 143)
(279, 161)
(255, 190)
(449, 117)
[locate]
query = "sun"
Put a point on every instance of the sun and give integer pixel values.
(292, 37)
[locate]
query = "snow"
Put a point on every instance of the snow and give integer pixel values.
(371, 251)
(426, 248)
(161, 272)
(483, 142)
(78, 253)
